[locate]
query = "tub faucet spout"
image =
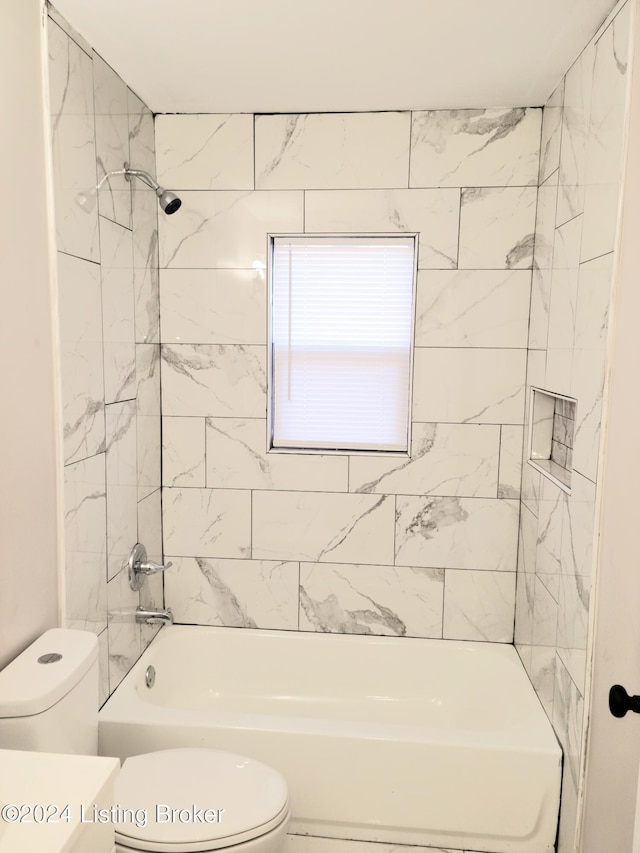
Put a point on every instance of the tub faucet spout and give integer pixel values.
(144, 616)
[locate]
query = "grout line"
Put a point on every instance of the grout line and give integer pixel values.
(206, 458)
(253, 142)
(80, 257)
(410, 148)
(500, 459)
(459, 228)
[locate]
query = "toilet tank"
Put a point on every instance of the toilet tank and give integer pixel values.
(49, 695)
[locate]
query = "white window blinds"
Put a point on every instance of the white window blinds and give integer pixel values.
(341, 341)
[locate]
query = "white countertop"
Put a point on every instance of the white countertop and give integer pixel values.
(30, 779)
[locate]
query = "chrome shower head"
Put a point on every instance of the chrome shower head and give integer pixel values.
(169, 201)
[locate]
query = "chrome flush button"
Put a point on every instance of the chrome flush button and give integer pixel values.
(50, 657)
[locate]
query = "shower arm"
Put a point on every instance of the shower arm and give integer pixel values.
(145, 177)
(128, 173)
(168, 200)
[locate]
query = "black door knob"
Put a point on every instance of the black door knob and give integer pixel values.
(620, 702)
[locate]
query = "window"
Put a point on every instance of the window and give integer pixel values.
(341, 336)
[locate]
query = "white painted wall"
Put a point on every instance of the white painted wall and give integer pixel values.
(29, 439)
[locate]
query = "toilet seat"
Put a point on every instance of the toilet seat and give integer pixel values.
(204, 800)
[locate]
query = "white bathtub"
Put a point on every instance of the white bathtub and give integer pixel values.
(429, 742)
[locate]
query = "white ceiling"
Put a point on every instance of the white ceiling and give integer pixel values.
(337, 55)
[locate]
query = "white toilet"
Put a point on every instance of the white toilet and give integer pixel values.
(174, 800)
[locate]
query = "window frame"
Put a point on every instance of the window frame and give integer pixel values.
(271, 238)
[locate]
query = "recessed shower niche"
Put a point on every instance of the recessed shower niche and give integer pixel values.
(552, 420)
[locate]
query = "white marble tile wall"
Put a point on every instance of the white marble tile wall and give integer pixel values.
(424, 545)
(580, 175)
(109, 329)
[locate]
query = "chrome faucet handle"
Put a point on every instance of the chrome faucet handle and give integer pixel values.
(140, 566)
(148, 567)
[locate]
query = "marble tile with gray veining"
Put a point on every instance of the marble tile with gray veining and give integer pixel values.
(587, 386)
(80, 318)
(122, 492)
(64, 25)
(568, 813)
(149, 454)
(549, 536)
(119, 371)
(116, 271)
(103, 667)
(567, 720)
(85, 522)
(543, 675)
(433, 213)
(573, 627)
(183, 453)
(479, 605)
(124, 634)
(354, 599)
(577, 531)
(147, 304)
(112, 152)
(332, 150)
(227, 230)
(545, 615)
(527, 542)
(323, 528)
(237, 458)
(150, 534)
(536, 365)
(446, 459)
(234, 593)
(148, 379)
(558, 371)
(510, 472)
(145, 264)
(457, 533)
(472, 308)
(213, 306)
(592, 303)
(575, 133)
(148, 418)
(210, 381)
(530, 485)
(543, 263)
(469, 385)
(606, 138)
(524, 652)
(524, 608)
(495, 148)
(564, 285)
(73, 146)
(205, 152)
(551, 133)
(112, 141)
(142, 145)
(497, 227)
(546, 223)
(150, 530)
(207, 522)
(110, 92)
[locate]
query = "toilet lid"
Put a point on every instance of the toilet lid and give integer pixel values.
(183, 800)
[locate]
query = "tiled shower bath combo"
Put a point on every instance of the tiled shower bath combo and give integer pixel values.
(461, 540)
